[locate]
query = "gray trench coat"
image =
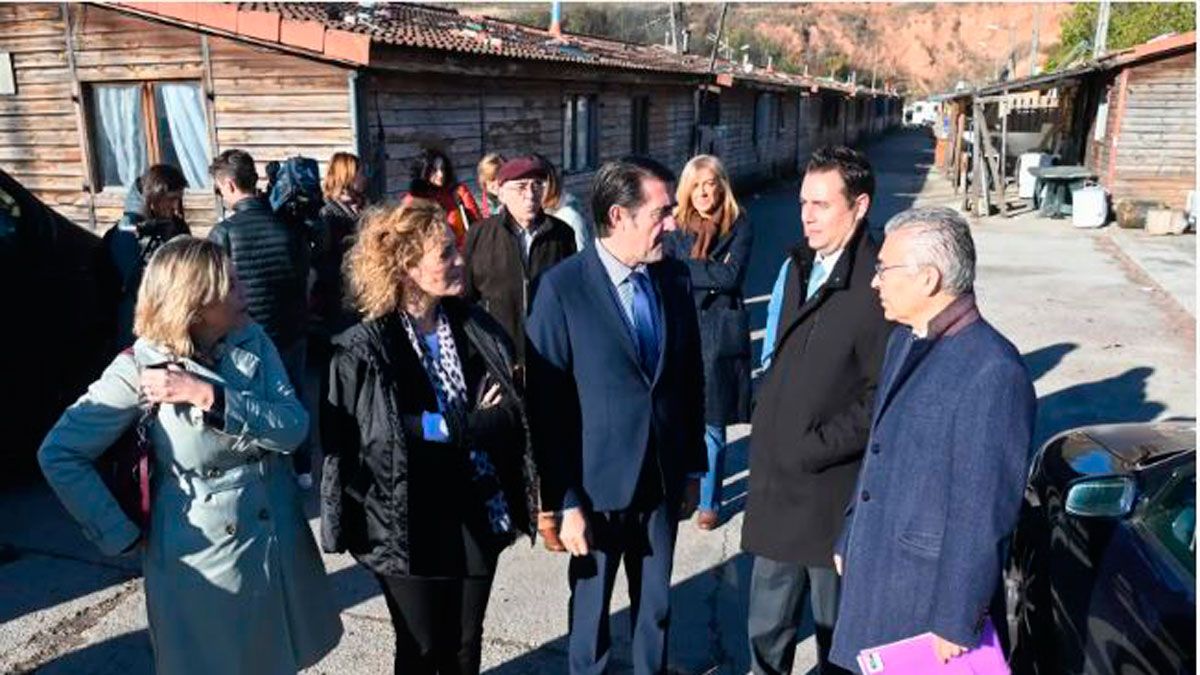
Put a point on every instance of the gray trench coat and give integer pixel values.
(234, 582)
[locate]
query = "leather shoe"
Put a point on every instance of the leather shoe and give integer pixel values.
(548, 528)
(707, 519)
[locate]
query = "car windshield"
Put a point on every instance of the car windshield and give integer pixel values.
(1171, 517)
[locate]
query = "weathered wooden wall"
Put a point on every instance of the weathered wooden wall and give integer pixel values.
(39, 143)
(770, 154)
(270, 104)
(1153, 153)
(468, 117)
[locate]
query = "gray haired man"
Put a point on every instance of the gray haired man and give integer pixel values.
(945, 468)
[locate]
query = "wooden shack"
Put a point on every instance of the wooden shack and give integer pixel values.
(100, 91)
(1145, 144)
(1129, 117)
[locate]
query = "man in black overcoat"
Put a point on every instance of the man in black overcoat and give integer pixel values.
(813, 413)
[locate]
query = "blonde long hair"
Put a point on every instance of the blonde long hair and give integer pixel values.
(184, 276)
(684, 210)
(488, 167)
(392, 239)
(343, 168)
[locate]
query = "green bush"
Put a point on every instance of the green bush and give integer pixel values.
(1129, 24)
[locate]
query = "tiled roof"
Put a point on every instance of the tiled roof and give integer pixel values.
(346, 31)
(426, 27)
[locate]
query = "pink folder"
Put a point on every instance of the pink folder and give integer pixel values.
(915, 656)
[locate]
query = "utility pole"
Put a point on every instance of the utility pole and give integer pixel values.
(674, 42)
(1011, 61)
(1033, 43)
(712, 61)
(1100, 43)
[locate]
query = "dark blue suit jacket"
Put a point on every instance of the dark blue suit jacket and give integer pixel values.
(594, 412)
(939, 490)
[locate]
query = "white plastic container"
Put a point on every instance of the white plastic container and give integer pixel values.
(1026, 180)
(1089, 206)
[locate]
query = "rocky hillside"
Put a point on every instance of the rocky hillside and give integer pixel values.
(929, 47)
(922, 47)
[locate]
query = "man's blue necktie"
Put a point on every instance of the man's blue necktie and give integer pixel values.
(815, 279)
(645, 322)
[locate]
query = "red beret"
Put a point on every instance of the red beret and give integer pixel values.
(526, 166)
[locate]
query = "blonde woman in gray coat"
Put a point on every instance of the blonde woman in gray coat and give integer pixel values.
(234, 582)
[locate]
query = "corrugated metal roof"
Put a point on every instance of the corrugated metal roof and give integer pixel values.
(1155, 48)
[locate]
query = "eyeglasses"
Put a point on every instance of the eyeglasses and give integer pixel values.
(880, 268)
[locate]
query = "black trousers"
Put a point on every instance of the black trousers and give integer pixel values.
(438, 622)
(777, 591)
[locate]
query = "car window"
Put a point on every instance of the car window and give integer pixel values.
(1170, 517)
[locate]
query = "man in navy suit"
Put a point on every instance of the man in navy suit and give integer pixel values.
(616, 403)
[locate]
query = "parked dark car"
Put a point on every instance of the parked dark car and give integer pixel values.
(1102, 572)
(58, 321)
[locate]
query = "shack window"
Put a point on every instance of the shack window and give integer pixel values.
(764, 111)
(831, 107)
(580, 132)
(640, 125)
(708, 104)
(136, 125)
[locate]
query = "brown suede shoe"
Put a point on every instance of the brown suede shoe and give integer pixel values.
(548, 528)
(707, 520)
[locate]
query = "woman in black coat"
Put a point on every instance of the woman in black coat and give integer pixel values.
(714, 238)
(428, 471)
(344, 188)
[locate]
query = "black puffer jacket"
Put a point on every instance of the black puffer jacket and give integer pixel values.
(401, 504)
(271, 259)
(498, 278)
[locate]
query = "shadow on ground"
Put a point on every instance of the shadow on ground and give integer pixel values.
(1115, 399)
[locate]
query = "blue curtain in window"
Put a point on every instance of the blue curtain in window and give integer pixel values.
(568, 130)
(583, 127)
(122, 141)
(181, 105)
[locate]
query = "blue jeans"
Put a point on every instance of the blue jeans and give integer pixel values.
(710, 485)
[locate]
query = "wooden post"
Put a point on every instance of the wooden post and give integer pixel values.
(1003, 156)
(81, 125)
(1118, 117)
(960, 180)
(210, 116)
(993, 182)
(957, 146)
(983, 206)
